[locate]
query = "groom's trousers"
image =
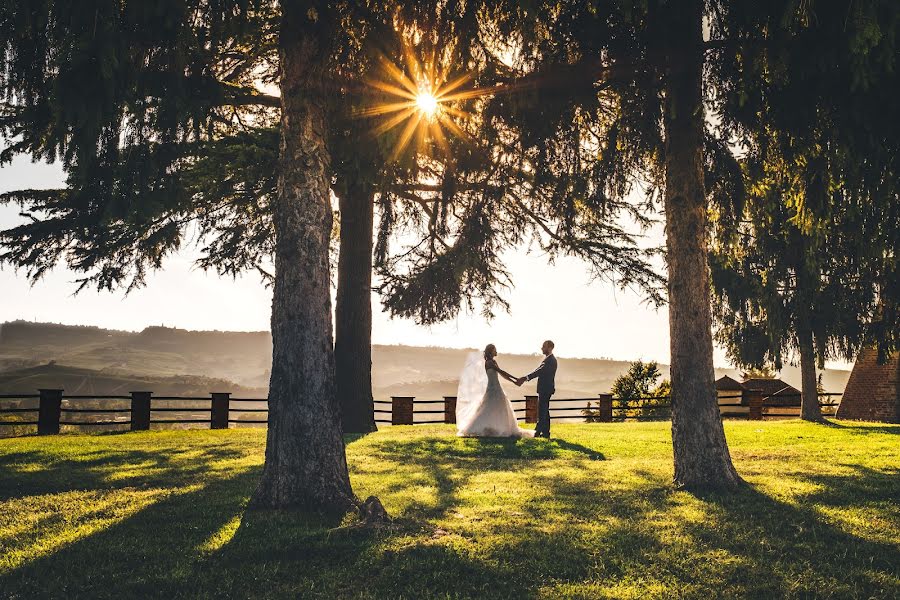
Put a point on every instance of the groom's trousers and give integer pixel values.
(543, 421)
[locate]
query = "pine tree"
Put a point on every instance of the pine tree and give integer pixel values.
(630, 78)
(305, 461)
(135, 97)
(802, 266)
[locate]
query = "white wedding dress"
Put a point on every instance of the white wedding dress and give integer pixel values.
(482, 408)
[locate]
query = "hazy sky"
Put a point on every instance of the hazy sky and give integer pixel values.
(584, 318)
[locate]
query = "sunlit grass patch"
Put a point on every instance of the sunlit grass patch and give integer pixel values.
(221, 537)
(589, 514)
(40, 525)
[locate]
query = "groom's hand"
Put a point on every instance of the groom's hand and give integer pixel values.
(520, 381)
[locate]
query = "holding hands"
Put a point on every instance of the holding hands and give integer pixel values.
(490, 362)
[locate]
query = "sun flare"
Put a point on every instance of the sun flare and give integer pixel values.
(427, 104)
(422, 99)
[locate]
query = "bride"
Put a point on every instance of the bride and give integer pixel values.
(482, 408)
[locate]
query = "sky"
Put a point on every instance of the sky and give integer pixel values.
(585, 318)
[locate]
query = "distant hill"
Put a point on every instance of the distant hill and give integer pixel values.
(176, 360)
(238, 357)
(87, 381)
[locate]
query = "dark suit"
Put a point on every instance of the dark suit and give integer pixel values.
(546, 376)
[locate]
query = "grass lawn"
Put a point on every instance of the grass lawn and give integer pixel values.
(590, 514)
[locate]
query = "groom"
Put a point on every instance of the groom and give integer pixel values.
(546, 386)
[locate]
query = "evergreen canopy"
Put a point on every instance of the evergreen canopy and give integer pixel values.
(162, 118)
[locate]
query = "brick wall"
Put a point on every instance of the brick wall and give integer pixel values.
(873, 390)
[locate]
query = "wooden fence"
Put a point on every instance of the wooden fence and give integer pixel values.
(749, 404)
(50, 410)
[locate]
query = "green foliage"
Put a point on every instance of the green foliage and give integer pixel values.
(663, 389)
(812, 248)
(638, 382)
(589, 514)
(759, 373)
(139, 101)
(175, 139)
(637, 393)
(538, 181)
(800, 159)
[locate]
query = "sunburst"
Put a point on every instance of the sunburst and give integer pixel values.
(424, 102)
(427, 104)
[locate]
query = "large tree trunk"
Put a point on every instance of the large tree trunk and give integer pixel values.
(702, 459)
(809, 389)
(353, 313)
(305, 462)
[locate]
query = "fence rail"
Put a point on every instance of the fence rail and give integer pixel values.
(140, 410)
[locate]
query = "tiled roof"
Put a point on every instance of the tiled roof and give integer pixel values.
(770, 387)
(726, 383)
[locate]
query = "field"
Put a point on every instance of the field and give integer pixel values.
(589, 514)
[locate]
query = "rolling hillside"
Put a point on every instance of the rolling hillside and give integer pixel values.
(157, 352)
(85, 382)
(181, 362)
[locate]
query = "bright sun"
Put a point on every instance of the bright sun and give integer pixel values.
(427, 104)
(420, 99)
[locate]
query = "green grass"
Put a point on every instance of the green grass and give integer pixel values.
(590, 514)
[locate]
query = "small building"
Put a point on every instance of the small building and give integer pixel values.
(779, 398)
(731, 396)
(873, 390)
(775, 392)
(726, 384)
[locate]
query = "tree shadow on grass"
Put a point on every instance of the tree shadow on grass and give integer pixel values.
(447, 464)
(350, 438)
(573, 447)
(38, 472)
(580, 537)
(415, 559)
(154, 552)
(863, 486)
(190, 545)
(863, 428)
(487, 448)
(301, 561)
(742, 545)
(788, 549)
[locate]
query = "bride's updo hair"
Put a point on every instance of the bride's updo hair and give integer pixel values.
(490, 351)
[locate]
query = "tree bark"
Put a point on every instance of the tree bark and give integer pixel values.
(807, 281)
(701, 453)
(353, 312)
(305, 463)
(809, 388)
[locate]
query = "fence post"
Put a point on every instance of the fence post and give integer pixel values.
(49, 411)
(140, 411)
(604, 407)
(402, 410)
(531, 409)
(753, 399)
(218, 416)
(449, 409)
(827, 406)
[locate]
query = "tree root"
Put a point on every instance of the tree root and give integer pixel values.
(372, 513)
